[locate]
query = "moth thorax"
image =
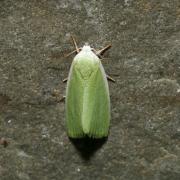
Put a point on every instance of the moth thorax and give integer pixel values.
(85, 71)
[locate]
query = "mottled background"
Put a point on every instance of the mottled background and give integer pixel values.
(144, 139)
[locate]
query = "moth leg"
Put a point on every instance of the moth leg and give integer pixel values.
(65, 80)
(62, 99)
(103, 50)
(67, 55)
(56, 94)
(110, 78)
(100, 57)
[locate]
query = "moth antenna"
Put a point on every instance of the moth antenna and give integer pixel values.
(103, 50)
(75, 44)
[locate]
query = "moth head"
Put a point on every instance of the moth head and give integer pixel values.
(86, 47)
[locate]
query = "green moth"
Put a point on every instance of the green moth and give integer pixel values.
(87, 103)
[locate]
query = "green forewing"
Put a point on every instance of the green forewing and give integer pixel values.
(87, 100)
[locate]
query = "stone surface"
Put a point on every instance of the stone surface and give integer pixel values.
(144, 139)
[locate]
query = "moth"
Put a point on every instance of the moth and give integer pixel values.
(87, 100)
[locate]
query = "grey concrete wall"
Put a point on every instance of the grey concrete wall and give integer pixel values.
(145, 61)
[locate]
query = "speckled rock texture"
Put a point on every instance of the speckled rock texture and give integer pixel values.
(144, 138)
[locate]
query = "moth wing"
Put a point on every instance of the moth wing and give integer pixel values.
(96, 113)
(74, 101)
